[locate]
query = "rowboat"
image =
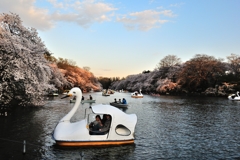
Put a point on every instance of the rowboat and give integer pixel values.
(120, 105)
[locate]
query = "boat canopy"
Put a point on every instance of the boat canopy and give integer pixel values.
(118, 116)
(107, 109)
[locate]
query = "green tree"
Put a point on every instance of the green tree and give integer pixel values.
(106, 82)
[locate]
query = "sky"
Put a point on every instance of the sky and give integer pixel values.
(117, 38)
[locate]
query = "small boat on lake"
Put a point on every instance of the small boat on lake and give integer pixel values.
(83, 101)
(52, 93)
(105, 92)
(137, 94)
(120, 132)
(234, 97)
(119, 105)
(66, 92)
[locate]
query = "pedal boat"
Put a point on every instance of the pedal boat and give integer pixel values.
(70, 134)
(234, 97)
(137, 94)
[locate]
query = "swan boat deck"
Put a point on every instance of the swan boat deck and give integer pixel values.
(121, 131)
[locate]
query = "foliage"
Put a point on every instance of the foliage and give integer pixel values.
(195, 75)
(80, 78)
(48, 56)
(24, 73)
(200, 72)
(74, 75)
(166, 86)
(106, 82)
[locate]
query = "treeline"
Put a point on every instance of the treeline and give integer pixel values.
(28, 70)
(79, 77)
(202, 74)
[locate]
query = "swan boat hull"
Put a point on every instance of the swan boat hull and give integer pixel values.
(93, 143)
(233, 98)
(138, 96)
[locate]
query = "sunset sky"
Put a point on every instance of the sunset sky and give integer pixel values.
(116, 38)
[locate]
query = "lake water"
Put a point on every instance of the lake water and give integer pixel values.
(168, 127)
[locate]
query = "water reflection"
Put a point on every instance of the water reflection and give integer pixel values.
(111, 152)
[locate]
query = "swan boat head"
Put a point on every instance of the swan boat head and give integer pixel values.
(74, 92)
(64, 126)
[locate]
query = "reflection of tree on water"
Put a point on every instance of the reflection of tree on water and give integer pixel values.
(110, 152)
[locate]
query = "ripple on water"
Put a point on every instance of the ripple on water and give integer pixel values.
(168, 127)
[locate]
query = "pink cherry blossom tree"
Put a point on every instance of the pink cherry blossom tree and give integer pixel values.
(24, 72)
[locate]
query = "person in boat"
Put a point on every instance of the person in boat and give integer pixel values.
(90, 97)
(104, 118)
(106, 125)
(115, 100)
(82, 98)
(124, 101)
(119, 101)
(95, 125)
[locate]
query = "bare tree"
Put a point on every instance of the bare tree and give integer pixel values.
(234, 61)
(168, 61)
(200, 72)
(86, 68)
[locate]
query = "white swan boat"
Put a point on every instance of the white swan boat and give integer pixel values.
(137, 94)
(121, 129)
(234, 97)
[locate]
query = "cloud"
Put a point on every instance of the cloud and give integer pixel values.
(83, 13)
(56, 4)
(86, 13)
(177, 5)
(145, 20)
(29, 14)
